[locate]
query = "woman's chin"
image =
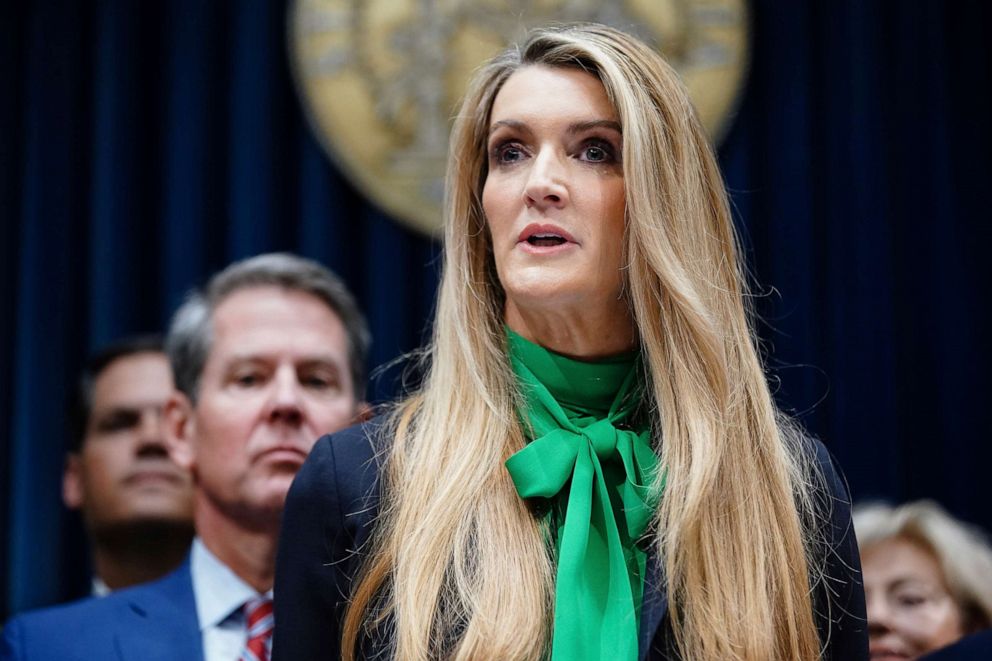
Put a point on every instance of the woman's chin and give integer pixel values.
(560, 302)
(537, 296)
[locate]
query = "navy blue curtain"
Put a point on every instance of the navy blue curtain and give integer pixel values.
(146, 145)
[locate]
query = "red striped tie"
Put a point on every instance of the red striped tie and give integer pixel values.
(258, 613)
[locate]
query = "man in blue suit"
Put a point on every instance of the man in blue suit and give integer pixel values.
(136, 503)
(269, 357)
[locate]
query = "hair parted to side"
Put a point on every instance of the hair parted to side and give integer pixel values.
(458, 565)
(963, 552)
(191, 332)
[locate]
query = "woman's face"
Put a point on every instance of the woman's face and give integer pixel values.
(554, 194)
(910, 611)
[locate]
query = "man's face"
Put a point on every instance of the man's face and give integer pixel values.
(276, 379)
(123, 473)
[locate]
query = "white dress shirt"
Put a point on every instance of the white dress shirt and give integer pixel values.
(98, 588)
(220, 596)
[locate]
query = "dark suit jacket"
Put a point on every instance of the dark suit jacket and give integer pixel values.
(151, 622)
(970, 648)
(329, 514)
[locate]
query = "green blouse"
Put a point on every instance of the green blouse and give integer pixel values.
(592, 457)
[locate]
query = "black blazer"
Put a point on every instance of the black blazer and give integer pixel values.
(329, 514)
(973, 647)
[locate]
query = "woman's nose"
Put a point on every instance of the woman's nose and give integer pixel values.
(546, 185)
(879, 614)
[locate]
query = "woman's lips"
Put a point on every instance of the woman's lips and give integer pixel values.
(545, 249)
(545, 239)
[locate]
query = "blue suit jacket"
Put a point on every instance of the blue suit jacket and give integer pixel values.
(330, 512)
(151, 622)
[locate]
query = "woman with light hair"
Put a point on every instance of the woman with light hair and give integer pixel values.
(593, 467)
(928, 578)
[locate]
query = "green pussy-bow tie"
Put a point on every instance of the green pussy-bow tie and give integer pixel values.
(579, 417)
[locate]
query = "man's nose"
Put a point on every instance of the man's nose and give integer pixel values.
(151, 434)
(285, 402)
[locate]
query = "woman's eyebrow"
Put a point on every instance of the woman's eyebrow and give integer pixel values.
(509, 123)
(580, 127)
(911, 581)
(577, 127)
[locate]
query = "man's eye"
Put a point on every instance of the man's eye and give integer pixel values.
(118, 422)
(248, 379)
(319, 382)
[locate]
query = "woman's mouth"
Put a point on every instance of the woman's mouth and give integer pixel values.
(545, 240)
(886, 654)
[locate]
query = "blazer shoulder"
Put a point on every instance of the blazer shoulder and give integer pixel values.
(342, 471)
(54, 632)
(975, 646)
(98, 627)
(834, 505)
(839, 599)
(831, 471)
(329, 515)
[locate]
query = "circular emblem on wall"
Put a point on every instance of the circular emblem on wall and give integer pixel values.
(381, 79)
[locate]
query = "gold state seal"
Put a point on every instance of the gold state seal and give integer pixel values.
(380, 79)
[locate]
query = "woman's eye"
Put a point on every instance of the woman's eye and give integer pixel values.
(508, 153)
(598, 153)
(595, 154)
(910, 600)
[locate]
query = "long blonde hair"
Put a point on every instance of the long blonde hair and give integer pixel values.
(458, 565)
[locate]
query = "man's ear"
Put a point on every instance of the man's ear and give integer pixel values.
(180, 429)
(72, 481)
(363, 412)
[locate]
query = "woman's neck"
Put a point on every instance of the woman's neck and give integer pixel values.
(581, 334)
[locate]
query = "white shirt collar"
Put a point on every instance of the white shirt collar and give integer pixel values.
(219, 591)
(98, 588)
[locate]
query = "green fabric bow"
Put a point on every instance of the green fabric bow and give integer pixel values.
(579, 417)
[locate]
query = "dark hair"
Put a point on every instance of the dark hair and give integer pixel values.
(82, 408)
(191, 332)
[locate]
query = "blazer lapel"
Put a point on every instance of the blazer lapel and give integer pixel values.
(159, 621)
(654, 605)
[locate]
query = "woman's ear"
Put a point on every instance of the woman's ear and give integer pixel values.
(180, 429)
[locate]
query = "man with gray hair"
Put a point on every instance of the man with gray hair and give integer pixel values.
(267, 358)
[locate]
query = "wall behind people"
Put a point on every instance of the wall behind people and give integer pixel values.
(146, 146)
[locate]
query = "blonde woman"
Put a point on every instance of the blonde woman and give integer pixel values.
(594, 467)
(928, 578)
